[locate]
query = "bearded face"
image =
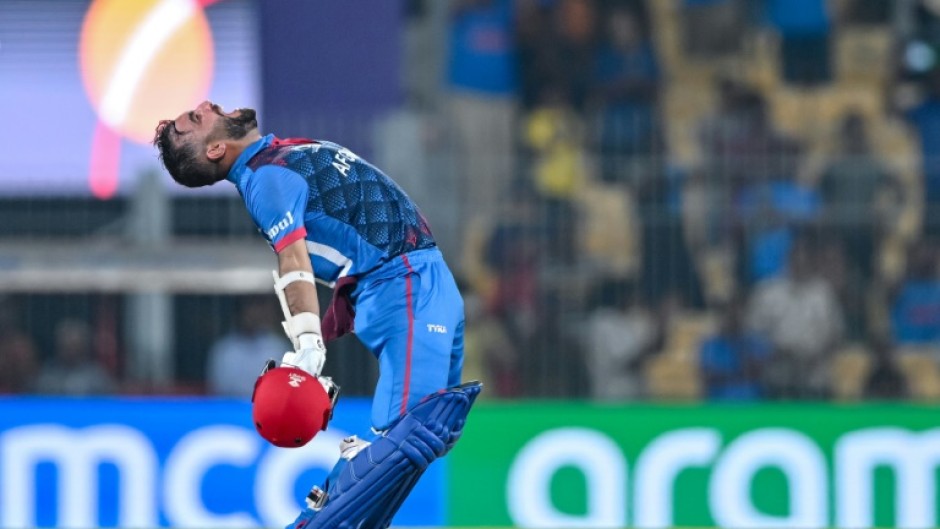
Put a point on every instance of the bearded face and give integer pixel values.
(238, 126)
(182, 142)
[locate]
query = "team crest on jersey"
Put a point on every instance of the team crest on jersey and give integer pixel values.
(296, 380)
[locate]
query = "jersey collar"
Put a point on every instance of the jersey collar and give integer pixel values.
(240, 167)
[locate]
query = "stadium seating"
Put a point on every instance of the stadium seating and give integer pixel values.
(920, 368)
(850, 367)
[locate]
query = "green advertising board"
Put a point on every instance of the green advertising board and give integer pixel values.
(754, 466)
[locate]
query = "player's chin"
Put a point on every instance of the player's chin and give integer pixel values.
(249, 128)
(246, 119)
(245, 115)
(239, 124)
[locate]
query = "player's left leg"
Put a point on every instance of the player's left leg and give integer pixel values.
(375, 480)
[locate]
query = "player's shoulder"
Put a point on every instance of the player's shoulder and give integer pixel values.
(271, 179)
(265, 172)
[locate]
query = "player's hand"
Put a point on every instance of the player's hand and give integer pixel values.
(309, 356)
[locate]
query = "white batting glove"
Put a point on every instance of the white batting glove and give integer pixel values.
(309, 356)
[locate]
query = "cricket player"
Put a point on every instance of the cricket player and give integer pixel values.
(332, 217)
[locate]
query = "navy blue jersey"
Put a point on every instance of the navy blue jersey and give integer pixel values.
(354, 218)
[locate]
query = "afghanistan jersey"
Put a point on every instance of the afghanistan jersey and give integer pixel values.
(353, 217)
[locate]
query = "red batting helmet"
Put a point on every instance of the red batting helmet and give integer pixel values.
(289, 406)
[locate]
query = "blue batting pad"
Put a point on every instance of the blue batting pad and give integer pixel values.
(370, 488)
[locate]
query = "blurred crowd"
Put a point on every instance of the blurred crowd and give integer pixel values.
(661, 199)
(73, 368)
(82, 355)
(792, 254)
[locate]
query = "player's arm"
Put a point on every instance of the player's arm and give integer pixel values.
(301, 295)
(297, 292)
(276, 198)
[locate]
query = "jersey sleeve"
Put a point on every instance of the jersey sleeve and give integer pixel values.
(277, 199)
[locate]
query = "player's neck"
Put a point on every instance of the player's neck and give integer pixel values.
(235, 148)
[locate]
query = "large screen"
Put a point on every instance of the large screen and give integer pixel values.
(82, 85)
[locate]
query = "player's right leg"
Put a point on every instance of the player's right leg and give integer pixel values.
(413, 324)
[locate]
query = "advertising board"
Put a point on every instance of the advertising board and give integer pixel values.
(573, 465)
(159, 463)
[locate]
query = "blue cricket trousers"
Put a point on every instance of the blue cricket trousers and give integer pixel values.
(409, 314)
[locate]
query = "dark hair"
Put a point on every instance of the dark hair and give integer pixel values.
(181, 160)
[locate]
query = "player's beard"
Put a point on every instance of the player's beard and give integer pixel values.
(239, 126)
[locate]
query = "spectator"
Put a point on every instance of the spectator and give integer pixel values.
(713, 28)
(749, 182)
(74, 370)
(732, 361)
(885, 381)
(805, 27)
(722, 131)
(712, 184)
(740, 144)
(510, 254)
(535, 35)
(575, 23)
(915, 312)
(558, 168)
(846, 280)
(557, 45)
(18, 363)
(768, 215)
(235, 359)
(800, 314)
(491, 356)
(925, 120)
(483, 86)
(850, 185)
(625, 86)
(666, 259)
(622, 335)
